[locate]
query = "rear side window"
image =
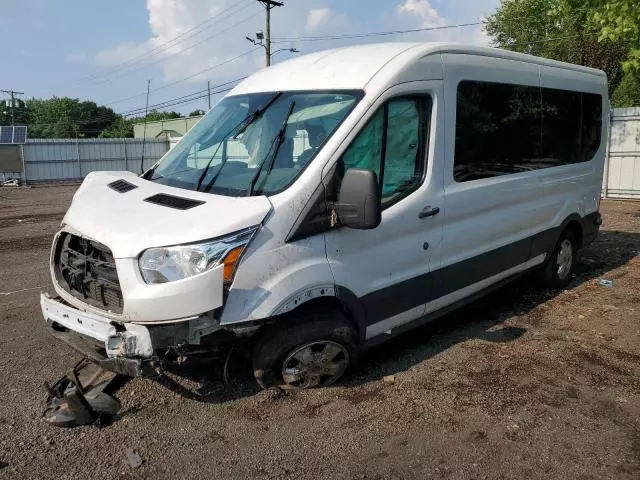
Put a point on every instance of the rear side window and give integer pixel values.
(503, 129)
(392, 144)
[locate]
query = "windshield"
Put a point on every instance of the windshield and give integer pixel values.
(254, 144)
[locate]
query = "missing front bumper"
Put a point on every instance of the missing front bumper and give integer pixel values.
(120, 349)
(92, 351)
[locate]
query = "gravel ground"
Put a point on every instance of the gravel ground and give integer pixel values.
(523, 384)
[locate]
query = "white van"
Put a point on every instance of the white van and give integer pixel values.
(330, 202)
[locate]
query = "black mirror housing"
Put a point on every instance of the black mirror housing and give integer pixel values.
(358, 203)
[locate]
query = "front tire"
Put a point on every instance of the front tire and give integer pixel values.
(558, 270)
(315, 351)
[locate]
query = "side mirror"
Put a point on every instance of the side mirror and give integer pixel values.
(358, 203)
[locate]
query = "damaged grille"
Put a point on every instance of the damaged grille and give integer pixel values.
(87, 270)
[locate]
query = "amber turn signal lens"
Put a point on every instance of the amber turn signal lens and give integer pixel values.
(230, 263)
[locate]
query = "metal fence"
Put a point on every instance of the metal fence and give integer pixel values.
(56, 160)
(622, 170)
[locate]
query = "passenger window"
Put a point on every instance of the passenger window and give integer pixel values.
(572, 125)
(503, 129)
(392, 145)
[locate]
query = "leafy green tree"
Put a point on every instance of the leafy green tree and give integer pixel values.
(68, 118)
(20, 112)
(619, 20)
(197, 113)
(156, 115)
(627, 93)
(121, 128)
(565, 30)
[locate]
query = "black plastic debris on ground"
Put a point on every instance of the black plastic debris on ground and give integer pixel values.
(81, 397)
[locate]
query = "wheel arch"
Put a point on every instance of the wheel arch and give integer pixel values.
(573, 222)
(331, 298)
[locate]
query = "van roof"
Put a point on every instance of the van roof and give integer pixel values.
(352, 67)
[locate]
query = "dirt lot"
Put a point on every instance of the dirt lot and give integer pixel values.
(524, 384)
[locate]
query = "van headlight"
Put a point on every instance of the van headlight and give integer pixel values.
(167, 264)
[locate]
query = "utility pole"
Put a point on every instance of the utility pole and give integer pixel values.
(13, 93)
(268, 4)
(209, 91)
(144, 134)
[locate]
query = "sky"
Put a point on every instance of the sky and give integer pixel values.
(106, 51)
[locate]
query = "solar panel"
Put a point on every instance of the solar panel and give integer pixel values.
(13, 135)
(19, 134)
(6, 134)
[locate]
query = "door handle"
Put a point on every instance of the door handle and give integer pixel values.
(429, 211)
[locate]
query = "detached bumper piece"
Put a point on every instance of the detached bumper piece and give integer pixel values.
(131, 367)
(80, 397)
(125, 350)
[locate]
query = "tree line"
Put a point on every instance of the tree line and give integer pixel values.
(72, 118)
(603, 34)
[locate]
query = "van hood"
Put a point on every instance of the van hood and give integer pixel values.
(128, 223)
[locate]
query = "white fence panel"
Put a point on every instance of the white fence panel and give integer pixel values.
(622, 178)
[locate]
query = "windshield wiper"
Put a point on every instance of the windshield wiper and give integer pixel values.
(255, 115)
(240, 127)
(271, 158)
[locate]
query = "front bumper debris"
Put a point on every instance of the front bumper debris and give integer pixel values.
(92, 351)
(113, 346)
(81, 397)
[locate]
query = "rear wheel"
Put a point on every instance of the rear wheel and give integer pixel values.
(315, 351)
(558, 270)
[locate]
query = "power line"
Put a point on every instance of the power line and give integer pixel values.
(369, 34)
(173, 41)
(216, 89)
(229, 60)
(164, 58)
(178, 101)
(83, 122)
(308, 38)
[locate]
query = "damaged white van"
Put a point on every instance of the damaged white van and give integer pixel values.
(330, 202)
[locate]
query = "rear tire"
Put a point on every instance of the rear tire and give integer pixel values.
(313, 350)
(558, 270)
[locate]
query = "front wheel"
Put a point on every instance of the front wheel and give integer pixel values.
(559, 268)
(315, 351)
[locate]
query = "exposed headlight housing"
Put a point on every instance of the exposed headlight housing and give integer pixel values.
(168, 264)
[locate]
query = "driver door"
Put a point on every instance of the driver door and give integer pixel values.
(388, 267)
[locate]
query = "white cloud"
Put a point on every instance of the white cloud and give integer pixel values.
(193, 51)
(316, 18)
(423, 9)
(178, 59)
(325, 20)
(122, 53)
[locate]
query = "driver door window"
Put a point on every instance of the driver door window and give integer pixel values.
(393, 145)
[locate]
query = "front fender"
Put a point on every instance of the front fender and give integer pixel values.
(273, 282)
